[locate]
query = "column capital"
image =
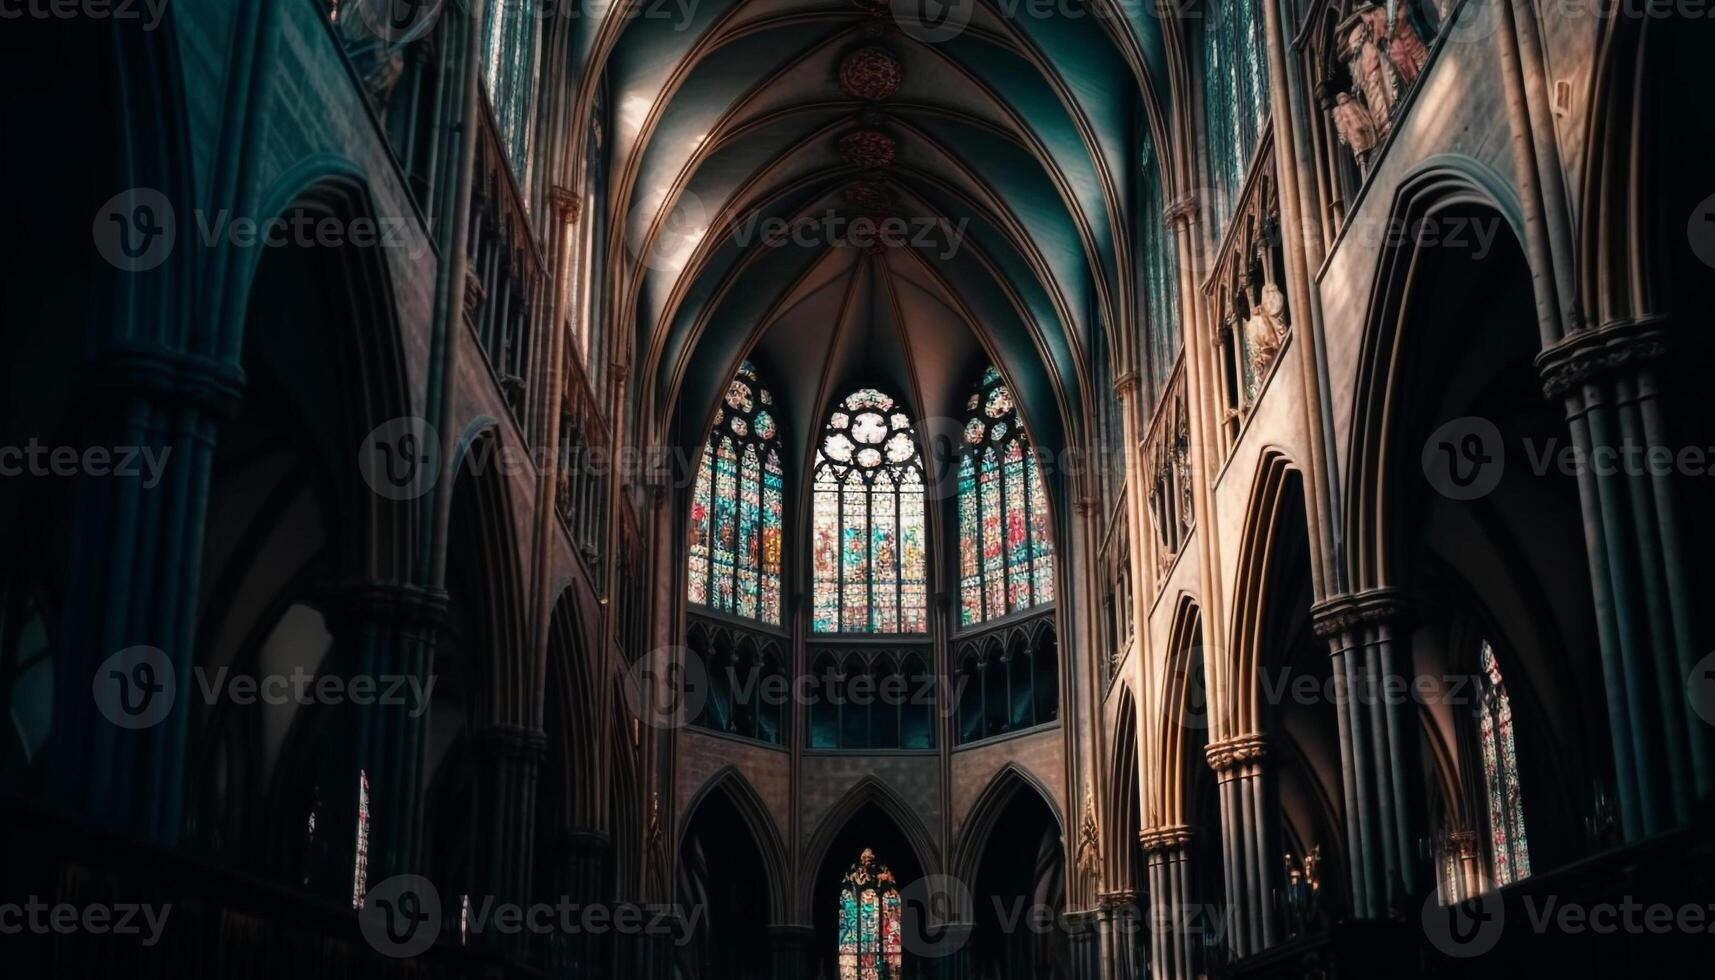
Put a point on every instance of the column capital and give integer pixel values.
(1171, 838)
(1119, 898)
(1230, 753)
(1614, 348)
(395, 603)
(1344, 613)
(1181, 211)
(178, 377)
(1125, 384)
(512, 741)
(566, 203)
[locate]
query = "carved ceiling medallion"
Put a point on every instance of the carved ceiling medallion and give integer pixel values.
(868, 149)
(870, 73)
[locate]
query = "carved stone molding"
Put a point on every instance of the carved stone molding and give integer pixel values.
(1342, 614)
(1125, 384)
(1090, 839)
(1588, 356)
(1236, 751)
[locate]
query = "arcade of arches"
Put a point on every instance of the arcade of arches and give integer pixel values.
(857, 489)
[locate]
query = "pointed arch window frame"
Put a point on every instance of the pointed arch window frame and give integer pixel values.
(869, 932)
(994, 431)
(748, 498)
(854, 455)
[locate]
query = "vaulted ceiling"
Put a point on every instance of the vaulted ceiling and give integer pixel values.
(1006, 148)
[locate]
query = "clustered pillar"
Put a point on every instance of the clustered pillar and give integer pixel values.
(385, 630)
(1249, 841)
(1379, 756)
(1636, 534)
(1175, 924)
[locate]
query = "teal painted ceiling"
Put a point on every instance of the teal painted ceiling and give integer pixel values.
(1008, 164)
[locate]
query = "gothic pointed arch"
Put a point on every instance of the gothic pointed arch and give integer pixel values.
(730, 783)
(870, 791)
(977, 825)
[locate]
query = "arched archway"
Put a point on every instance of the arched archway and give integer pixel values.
(732, 867)
(1013, 847)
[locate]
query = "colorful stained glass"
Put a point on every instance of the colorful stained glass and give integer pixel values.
(970, 571)
(868, 558)
(869, 928)
(1006, 555)
(773, 505)
(698, 587)
(737, 503)
(1509, 847)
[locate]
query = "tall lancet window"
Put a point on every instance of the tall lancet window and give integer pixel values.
(737, 506)
(869, 559)
(1509, 848)
(1235, 94)
(870, 946)
(1006, 553)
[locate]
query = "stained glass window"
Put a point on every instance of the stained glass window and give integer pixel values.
(737, 505)
(360, 861)
(869, 548)
(870, 947)
(1235, 94)
(1159, 268)
(1006, 554)
(1509, 848)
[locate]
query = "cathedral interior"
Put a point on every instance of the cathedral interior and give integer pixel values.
(856, 489)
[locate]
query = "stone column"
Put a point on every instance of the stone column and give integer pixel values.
(383, 631)
(1175, 925)
(1084, 944)
(789, 948)
(1380, 763)
(1635, 535)
(506, 822)
(578, 875)
(1118, 926)
(1249, 846)
(136, 558)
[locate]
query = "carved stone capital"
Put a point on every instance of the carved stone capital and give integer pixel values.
(1183, 210)
(1345, 613)
(1157, 839)
(1125, 384)
(168, 376)
(512, 742)
(389, 603)
(1236, 751)
(566, 203)
(1588, 356)
(1119, 898)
